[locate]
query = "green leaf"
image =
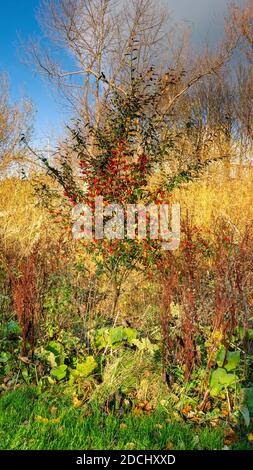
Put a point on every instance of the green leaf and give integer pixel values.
(58, 350)
(121, 334)
(113, 337)
(232, 360)
(117, 335)
(131, 334)
(219, 380)
(102, 338)
(220, 358)
(74, 374)
(5, 356)
(59, 372)
(216, 390)
(87, 367)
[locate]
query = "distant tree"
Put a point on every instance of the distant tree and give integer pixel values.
(15, 119)
(99, 44)
(240, 25)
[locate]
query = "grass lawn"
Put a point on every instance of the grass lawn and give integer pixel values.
(50, 421)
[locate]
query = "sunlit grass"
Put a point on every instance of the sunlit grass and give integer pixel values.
(67, 427)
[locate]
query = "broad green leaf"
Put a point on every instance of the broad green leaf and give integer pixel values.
(87, 367)
(220, 378)
(216, 389)
(59, 372)
(232, 360)
(112, 337)
(4, 357)
(102, 338)
(74, 374)
(217, 376)
(117, 335)
(220, 358)
(58, 350)
(131, 334)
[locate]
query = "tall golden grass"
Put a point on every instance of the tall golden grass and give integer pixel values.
(220, 194)
(22, 222)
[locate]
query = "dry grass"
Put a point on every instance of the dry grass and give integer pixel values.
(218, 195)
(22, 223)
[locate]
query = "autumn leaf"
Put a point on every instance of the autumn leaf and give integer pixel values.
(224, 412)
(158, 426)
(41, 419)
(130, 445)
(169, 446)
(53, 410)
(76, 402)
(186, 409)
(123, 426)
(54, 420)
(137, 411)
(148, 407)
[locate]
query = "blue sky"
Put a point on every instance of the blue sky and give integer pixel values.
(18, 17)
(18, 20)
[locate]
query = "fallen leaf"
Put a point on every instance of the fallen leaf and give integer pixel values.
(40, 419)
(54, 420)
(186, 409)
(141, 405)
(130, 445)
(53, 410)
(76, 402)
(169, 446)
(137, 411)
(123, 426)
(158, 426)
(214, 422)
(148, 407)
(177, 416)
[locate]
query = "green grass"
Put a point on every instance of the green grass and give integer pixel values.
(19, 429)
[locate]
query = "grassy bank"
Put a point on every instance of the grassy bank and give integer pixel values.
(50, 421)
